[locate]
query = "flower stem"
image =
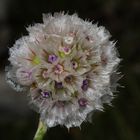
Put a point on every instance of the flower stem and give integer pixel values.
(40, 131)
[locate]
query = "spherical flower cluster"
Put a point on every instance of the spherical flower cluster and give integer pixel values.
(67, 65)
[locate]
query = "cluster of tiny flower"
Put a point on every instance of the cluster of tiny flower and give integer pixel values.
(66, 64)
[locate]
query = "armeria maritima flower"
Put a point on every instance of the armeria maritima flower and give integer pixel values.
(67, 66)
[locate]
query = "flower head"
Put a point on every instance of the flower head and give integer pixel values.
(66, 64)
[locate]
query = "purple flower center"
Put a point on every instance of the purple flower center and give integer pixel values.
(85, 82)
(45, 94)
(85, 85)
(82, 102)
(58, 69)
(52, 58)
(74, 64)
(58, 85)
(66, 49)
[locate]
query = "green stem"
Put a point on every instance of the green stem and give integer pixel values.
(40, 131)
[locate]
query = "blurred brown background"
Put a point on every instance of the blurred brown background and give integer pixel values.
(122, 19)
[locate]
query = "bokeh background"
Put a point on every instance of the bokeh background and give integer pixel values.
(122, 19)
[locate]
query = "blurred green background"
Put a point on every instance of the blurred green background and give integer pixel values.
(122, 19)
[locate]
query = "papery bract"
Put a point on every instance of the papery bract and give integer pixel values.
(66, 65)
